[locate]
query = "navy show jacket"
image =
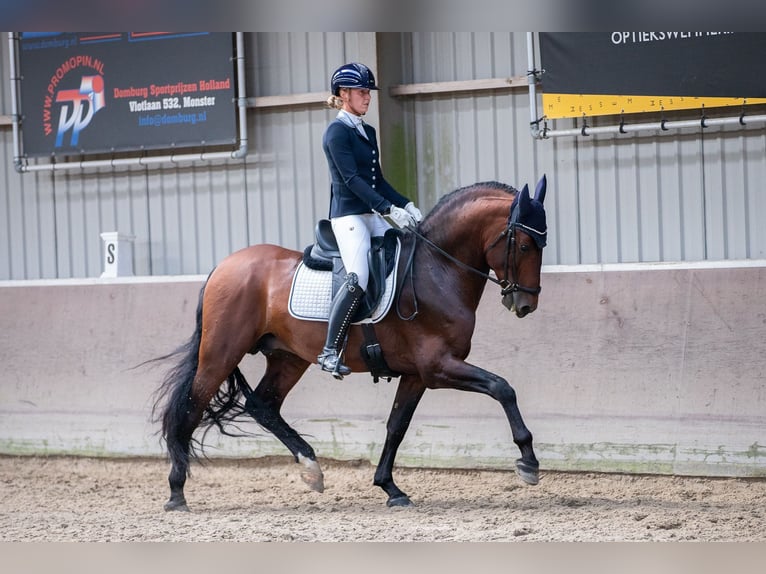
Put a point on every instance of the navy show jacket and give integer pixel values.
(357, 183)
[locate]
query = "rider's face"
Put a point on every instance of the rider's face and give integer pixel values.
(356, 100)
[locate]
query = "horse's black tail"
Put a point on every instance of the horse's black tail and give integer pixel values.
(173, 397)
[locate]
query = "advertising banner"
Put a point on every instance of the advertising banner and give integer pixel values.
(88, 92)
(605, 73)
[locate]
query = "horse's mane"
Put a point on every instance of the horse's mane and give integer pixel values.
(463, 195)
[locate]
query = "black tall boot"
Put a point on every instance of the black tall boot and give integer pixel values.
(342, 310)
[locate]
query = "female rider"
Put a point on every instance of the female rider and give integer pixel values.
(359, 196)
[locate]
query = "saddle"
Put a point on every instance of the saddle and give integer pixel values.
(317, 289)
(324, 255)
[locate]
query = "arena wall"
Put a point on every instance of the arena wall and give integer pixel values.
(644, 368)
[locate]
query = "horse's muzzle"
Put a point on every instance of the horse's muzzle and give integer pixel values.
(521, 307)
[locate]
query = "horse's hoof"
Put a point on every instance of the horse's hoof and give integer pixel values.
(401, 500)
(178, 505)
(311, 473)
(528, 473)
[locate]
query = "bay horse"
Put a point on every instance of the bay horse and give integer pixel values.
(243, 308)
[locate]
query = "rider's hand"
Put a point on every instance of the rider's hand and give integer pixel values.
(414, 212)
(401, 217)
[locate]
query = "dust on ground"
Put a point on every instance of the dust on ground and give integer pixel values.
(120, 500)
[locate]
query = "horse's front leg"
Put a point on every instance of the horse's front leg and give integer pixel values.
(407, 397)
(457, 374)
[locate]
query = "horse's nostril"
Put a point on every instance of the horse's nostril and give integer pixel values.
(523, 311)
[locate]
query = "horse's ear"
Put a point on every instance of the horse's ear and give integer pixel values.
(540, 190)
(524, 200)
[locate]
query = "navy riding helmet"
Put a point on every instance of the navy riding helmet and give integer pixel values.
(352, 75)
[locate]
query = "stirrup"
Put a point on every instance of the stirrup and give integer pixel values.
(330, 362)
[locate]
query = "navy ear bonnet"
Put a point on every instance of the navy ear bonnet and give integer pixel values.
(528, 213)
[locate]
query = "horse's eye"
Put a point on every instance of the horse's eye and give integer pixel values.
(523, 247)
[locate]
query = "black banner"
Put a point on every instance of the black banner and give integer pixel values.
(104, 92)
(621, 72)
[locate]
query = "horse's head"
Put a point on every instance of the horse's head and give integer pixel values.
(526, 235)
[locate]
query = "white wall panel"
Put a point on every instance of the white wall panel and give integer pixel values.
(626, 198)
(587, 204)
(561, 203)
(754, 176)
(649, 214)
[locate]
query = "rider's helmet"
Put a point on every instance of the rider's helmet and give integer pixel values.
(352, 75)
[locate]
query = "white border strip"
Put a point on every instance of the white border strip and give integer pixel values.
(583, 268)
(654, 266)
(104, 281)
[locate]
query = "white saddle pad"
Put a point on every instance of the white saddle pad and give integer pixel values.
(311, 294)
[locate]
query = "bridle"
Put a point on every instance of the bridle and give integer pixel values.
(506, 287)
(510, 256)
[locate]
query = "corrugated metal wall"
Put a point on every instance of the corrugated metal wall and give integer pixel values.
(670, 197)
(675, 196)
(471, 137)
(185, 219)
(653, 197)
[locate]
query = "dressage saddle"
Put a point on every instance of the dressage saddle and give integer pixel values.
(324, 255)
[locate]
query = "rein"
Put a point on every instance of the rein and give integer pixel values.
(510, 253)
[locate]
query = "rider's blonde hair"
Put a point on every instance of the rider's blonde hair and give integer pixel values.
(334, 102)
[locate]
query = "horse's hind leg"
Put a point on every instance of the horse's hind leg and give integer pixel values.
(283, 370)
(193, 383)
(178, 435)
(181, 419)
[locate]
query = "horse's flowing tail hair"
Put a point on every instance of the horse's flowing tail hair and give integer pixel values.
(173, 398)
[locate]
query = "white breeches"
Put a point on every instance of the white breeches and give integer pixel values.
(353, 233)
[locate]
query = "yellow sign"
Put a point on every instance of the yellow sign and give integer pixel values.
(577, 105)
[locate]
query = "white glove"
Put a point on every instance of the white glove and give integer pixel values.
(401, 217)
(414, 212)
